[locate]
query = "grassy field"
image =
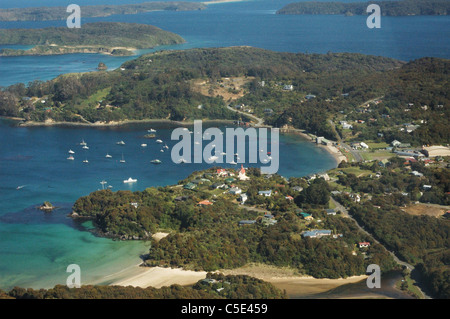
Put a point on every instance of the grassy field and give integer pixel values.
(377, 155)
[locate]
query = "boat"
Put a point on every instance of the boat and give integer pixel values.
(149, 136)
(130, 180)
(120, 143)
(213, 158)
(122, 160)
(71, 152)
(83, 143)
(166, 147)
(151, 130)
(108, 156)
(86, 161)
(155, 161)
(20, 187)
(159, 141)
(109, 186)
(143, 145)
(162, 151)
(70, 158)
(85, 147)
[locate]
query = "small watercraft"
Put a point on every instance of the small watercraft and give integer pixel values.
(213, 158)
(120, 143)
(151, 130)
(130, 180)
(71, 152)
(83, 143)
(20, 187)
(70, 158)
(155, 161)
(159, 141)
(166, 147)
(86, 161)
(85, 147)
(143, 145)
(108, 156)
(122, 160)
(233, 163)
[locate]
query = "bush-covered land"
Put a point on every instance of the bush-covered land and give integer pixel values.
(420, 240)
(388, 8)
(98, 37)
(161, 86)
(234, 287)
(210, 236)
(59, 13)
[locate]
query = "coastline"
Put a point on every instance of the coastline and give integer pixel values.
(221, 1)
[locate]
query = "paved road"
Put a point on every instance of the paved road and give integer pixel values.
(259, 121)
(345, 213)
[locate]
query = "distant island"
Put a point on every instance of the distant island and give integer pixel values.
(100, 37)
(59, 13)
(388, 8)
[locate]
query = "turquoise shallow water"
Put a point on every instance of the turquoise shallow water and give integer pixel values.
(36, 248)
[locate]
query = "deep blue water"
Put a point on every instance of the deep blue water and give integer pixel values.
(252, 23)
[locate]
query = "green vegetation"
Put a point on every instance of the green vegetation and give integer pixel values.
(235, 287)
(98, 37)
(210, 237)
(59, 13)
(388, 8)
(420, 240)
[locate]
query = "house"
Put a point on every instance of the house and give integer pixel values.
(355, 197)
(230, 180)
(289, 197)
(217, 185)
(324, 176)
(247, 222)
(181, 198)
(265, 193)
(288, 87)
(221, 172)
(306, 216)
(364, 145)
(190, 186)
(242, 176)
(416, 173)
(297, 188)
(395, 143)
(310, 96)
(135, 205)
(426, 187)
(319, 139)
(330, 211)
(363, 244)
(204, 203)
(383, 163)
(243, 198)
(316, 233)
(347, 126)
(235, 190)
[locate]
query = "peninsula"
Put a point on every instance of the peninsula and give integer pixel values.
(100, 37)
(388, 8)
(59, 13)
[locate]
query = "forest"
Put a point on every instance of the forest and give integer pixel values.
(388, 8)
(235, 287)
(59, 13)
(99, 36)
(159, 86)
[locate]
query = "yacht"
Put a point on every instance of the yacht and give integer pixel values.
(213, 158)
(86, 161)
(120, 143)
(71, 152)
(71, 158)
(143, 145)
(182, 161)
(122, 160)
(85, 147)
(159, 141)
(83, 143)
(166, 147)
(155, 161)
(130, 180)
(108, 156)
(233, 163)
(151, 131)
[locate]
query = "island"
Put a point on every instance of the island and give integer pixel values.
(388, 8)
(60, 13)
(100, 37)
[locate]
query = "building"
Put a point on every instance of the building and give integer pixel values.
(297, 188)
(247, 222)
(364, 244)
(204, 203)
(288, 87)
(235, 190)
(306, 216)
(316, 233)
(242, 176)
(265, 193)
(364, 145)
(330, 211)
(243, 198)
(289, 197)
(222, 172)
(189, 186)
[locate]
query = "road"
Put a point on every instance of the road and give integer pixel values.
(346, 214)
(259, 121)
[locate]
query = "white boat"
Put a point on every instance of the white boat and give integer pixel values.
(122, 160)
(85, 147)
(159, 141)
(108, 156)
(166, 147)
(223, 153)
(143, 145)
(213, 158)
(155, 161)
(70, 158)
(83, 143)
(151, 130)
(197, 143)
(20, 187)
(162, 151)
(85, 161)
(130, 180)
(120, 143)
(71, 152)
